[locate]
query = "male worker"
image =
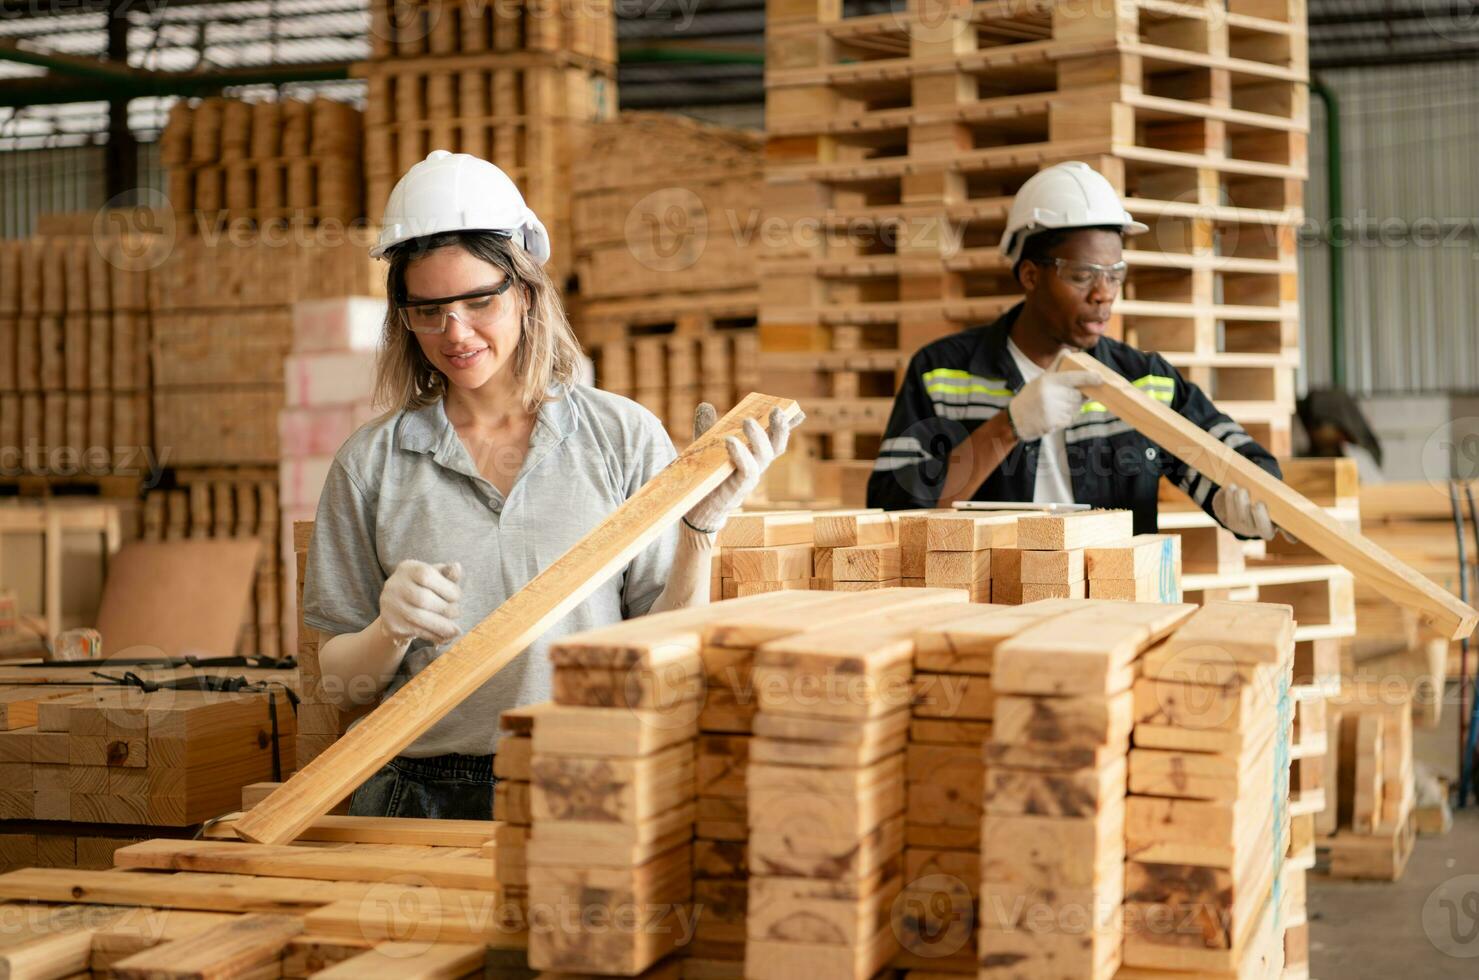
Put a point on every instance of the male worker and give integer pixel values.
(982, 415)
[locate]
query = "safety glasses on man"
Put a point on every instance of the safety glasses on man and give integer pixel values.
(477, 309)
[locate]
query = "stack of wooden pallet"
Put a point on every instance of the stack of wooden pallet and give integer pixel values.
(483, 91)
(904, 136)
(218, 378)
(1207, 826)
(665, 251)
(1367, 827)
(249, 165)
(74, 341)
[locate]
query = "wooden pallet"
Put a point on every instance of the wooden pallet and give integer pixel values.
(248, 166)
(909, 135)
(51, 521)
(414, 28)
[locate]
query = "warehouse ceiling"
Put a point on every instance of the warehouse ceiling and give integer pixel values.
(699, 56)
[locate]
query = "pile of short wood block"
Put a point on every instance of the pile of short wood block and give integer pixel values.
(1000, 557)
(247, 165)
(74, 342)
(75, 756)
(511, 83)
(906, 767)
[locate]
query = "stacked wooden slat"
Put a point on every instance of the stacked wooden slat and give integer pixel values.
(904, 136)
(768, 546)
(249, 165)
(687, 360)
(865, 552)
(1053, 833)
(961, 549)
(74, 341)
(413, 28)
(1144, 568)
(224, 329)
(1367, 827)
(1207, 825)
(827, 795)
(509, 844)
(169, 758)
(516, 87)
(612, 796)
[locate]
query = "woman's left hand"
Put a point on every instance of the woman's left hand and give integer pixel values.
(749, 462)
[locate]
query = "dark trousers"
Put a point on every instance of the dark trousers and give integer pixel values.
(444, 787)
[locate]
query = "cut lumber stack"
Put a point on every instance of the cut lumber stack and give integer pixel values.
(512, 813)
(74, 366)
(827, 794)
(245, 166)
(223, 329)
(1144, 568)
(1206, 821)
(120, 756)
(1367, 826)
(1054, 827)
(769, 545)
(665, 250)
(1049, 560)
(960, 549)
(516, 87)
(612, 793)
(321, 720)
(904, 137)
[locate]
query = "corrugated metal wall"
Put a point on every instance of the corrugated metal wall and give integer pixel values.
(60, 180)
(1410, 137)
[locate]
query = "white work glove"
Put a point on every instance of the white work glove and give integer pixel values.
(1237, 512)
(420, 601)
(710, 513)
(1049, 402)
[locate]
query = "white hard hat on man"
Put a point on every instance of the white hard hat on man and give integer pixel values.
(1065, 195)
(459, 192)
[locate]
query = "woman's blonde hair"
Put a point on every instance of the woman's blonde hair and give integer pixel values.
(548, 352)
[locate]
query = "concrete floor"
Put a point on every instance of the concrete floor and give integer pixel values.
(1423, 927)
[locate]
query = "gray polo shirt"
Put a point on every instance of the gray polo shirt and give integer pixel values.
(404, 486)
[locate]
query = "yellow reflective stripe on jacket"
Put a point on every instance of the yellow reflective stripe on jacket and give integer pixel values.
(1157, 386)
(951, 381)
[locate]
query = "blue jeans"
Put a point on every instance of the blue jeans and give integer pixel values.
(443, 787)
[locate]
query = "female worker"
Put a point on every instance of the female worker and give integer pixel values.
(491, 464)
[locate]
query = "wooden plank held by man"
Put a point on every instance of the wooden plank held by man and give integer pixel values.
(1372, 564)
(489, 646)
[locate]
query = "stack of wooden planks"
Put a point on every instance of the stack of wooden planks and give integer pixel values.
(1367, 826)
(1053, 835)
(1206, 821)
(664, 294)
(521, 104)
(74, 362)
(864, 548)
(766, 553)
(218, 379)
(117, 755)
(242, 166)
(512, 810)
(961, 548)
